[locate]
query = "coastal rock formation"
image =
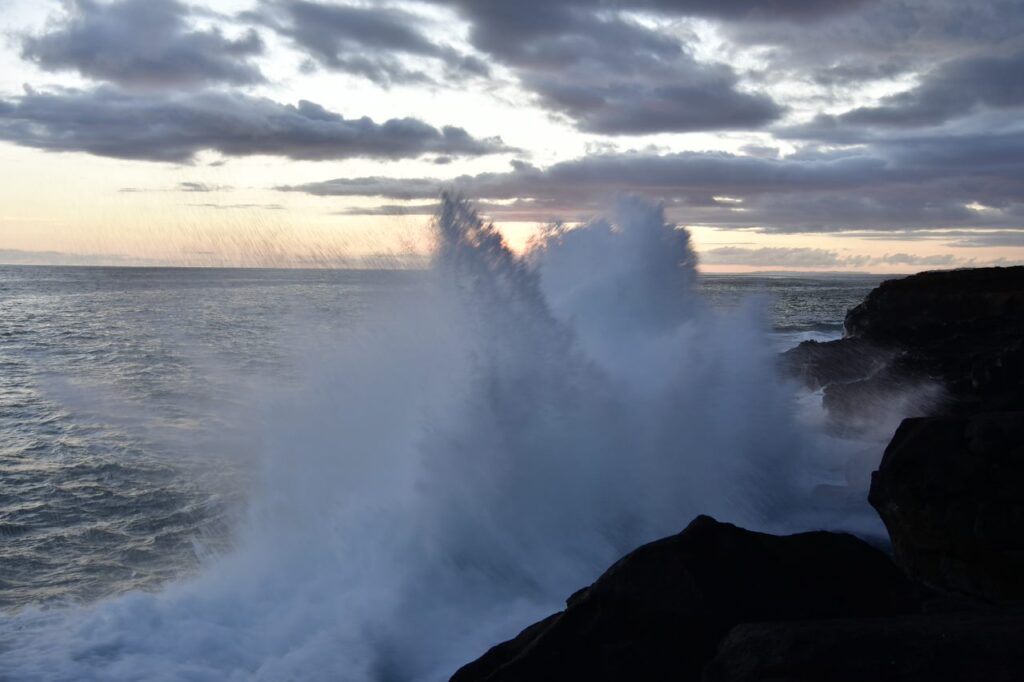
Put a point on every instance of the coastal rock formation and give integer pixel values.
(961, 331)
(822, 363)
(944, 647)
(659, 613)
(942, 306)
(951, 493)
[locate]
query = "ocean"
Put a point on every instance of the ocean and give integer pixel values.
(139, 408)
(108, 437)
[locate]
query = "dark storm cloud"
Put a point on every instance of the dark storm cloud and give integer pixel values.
(142, 43)
(968, 181)
(364, 41)
(109, 122)
(610, 74)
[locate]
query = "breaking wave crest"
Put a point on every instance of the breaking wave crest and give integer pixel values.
(476, 453)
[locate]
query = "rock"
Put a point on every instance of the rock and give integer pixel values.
(658, 613)
(919, 310)
(876, 405)
(975, 645)
(961, 331)
(951, 493)
(820, 363)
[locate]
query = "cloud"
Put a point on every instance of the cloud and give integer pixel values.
(945, 153)
(390, 188)
(391, 210)
(911, 259)
(958, 181)
(954, 89)
(982, 239)
(232, 207)
(142, 43)
(694, 176)
(771, 257)
(610, 74)
(690, 97)
(175, 127)
(750, 10)
(369, 42)
(200, 187)
(782, 257)
(873, 42)
(188, 186)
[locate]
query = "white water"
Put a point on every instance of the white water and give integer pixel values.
(479, 452)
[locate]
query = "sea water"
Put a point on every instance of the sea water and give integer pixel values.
(211, 474)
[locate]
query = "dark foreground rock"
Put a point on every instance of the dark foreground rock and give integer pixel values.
(958, 330)
(951, 493)
(659, 613)
(948, 647)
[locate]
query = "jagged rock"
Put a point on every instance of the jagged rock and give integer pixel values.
(951, 493)
(958, 330)
(658, 613)
(820, 363)
(948, 647)
(918, 310)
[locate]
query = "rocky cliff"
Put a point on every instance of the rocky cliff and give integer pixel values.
(955, 338)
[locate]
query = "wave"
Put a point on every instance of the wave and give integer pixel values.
(481, 449)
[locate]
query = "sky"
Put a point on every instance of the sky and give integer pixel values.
(851, 135)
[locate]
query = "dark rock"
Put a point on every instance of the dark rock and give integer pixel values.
(974, 645)
(951, 493)
(958, 330)
(917, 310)
(658, 613)
(821, 363)
(506, 652)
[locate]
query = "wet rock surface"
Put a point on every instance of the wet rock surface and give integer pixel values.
(960, 331)
(966, 645)
(659, 613)
(951, 493)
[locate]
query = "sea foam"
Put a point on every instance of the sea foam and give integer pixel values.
(476, 453)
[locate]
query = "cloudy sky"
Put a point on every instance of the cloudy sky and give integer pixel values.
(868, 135)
